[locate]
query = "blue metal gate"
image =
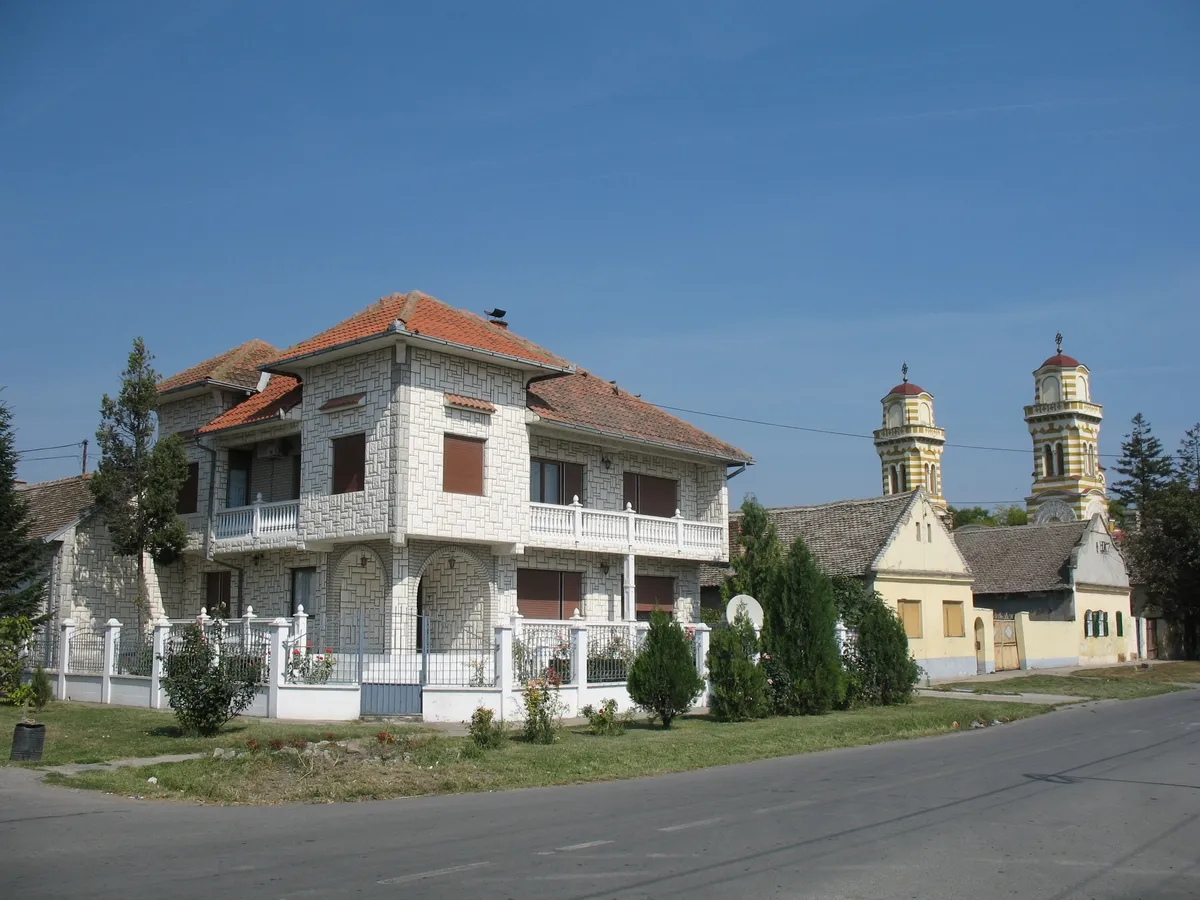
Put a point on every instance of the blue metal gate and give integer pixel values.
(390, 682)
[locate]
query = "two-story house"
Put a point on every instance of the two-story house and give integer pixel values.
(420, 467)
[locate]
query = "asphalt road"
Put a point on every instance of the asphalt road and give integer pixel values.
(1099, 802)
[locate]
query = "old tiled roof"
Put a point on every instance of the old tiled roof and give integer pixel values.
(469, 403)
(1020, 558)
(282, 393)
(584, 399)
(845, 537)
(55, 504)
(237, 367)
(425, 315)
(1061, 360)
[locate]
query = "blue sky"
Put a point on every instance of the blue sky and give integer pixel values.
(757, 210)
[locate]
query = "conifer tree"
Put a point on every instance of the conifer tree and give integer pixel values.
(1145, 468)
(136, 486)
(663, 678)
(22, 559)
(1187, 468)
(757, 563)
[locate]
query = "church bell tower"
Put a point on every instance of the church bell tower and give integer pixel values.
(910, 443)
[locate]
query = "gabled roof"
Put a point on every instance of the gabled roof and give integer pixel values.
(845, 537)
(1019, 559)
(53, 505)
(585, 401)
(426, 316)
(282, 393)
(237, 368)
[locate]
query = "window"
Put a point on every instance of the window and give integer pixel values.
(542, 594)
(302, 589)
(1087, 624)
(933, 477)
(895, 480)
(1120, 624)
(910, 615)
(1050, 390)
(904, 479)
(929, 533)
(555, 482)
(218, 594)
(349, 463)
(651, 496)
(1048, 462)
(1060, 459)
(296, 477)
(952, 619)
(918, 532)
(189, 491)
(237, 491)
(462, 461)
(924, 414)
(1103, 624)
(895, 415)
(653, 592)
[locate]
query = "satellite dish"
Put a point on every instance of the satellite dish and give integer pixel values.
(753, 610)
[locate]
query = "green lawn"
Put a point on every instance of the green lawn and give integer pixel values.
(1180, 671)
(88, 733)
(1093, 686)
(434, 764)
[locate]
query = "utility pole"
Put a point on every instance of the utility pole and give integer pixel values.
(85, 443)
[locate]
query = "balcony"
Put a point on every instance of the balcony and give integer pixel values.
(576, 528)
(258, 520)
(1064, 407)
(901, 431)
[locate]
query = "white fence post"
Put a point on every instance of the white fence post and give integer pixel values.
(162, 629)
(64, 655)
(300, 629)
(112, 634)
(701, 644)
(504, 665)
(246, 619)
(275, 678)
(679, 531)
(577, 518)
(579, 656)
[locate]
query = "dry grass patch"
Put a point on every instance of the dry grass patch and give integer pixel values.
(1187, 672)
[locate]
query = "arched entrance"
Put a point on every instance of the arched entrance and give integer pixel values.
(357, 593)
(980, 648)
(454, 593)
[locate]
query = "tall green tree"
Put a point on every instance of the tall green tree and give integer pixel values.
(799, 639)
(1144, 468)
(22, 560)
(1010, 514)
(1187, 468)
(136, 486)
(757, 564)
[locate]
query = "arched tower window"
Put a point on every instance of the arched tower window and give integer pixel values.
(1060, 459)
(1051, 391)
(1048, 468)
(1082, 384)
(894, 480)
(895, 415)
(924, 414)
(1091, 459)
(933, 479)
(904, 479)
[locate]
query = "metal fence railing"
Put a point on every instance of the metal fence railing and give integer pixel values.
(135, 653)
(609, 653)
(87, 653)
(42, 650)
(468, 659)
(542, 649)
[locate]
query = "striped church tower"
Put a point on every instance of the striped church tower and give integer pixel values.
(909, 443)
(1068, 480)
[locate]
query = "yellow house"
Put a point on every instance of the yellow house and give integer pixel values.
(899, 547)
(1059, 593)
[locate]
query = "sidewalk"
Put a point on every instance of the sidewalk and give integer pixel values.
(1021, 673)
(1043, 699)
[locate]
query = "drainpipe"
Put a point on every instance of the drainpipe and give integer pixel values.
(212, 495)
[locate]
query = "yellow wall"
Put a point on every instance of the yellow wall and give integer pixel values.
(1045, 645)
(1111, 649)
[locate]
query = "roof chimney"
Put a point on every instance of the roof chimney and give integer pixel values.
(496, 317)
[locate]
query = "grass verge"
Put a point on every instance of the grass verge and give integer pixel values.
(422, 764)
(1177, 671)
(89, 733)
(1096, 687)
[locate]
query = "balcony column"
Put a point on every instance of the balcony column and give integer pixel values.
(256, 515)
(577, 518)
(629, 588)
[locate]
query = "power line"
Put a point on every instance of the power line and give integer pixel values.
(40, 449)
(47, 458)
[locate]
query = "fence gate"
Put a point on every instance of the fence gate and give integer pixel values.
(1005, 638)
(391, 669)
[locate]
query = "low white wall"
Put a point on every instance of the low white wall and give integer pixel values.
(130, 690)
(319, 703)
(84, 687)
(258, 706)
(450, 703)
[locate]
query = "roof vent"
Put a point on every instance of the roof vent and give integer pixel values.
(496, 317)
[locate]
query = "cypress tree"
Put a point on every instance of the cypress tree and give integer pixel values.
(22, 559)
(663, 678)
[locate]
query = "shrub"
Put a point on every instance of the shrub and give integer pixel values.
(606, 720)
(205, 690)
(739, 686)
(15, 632)
(881, 669)
(486, 733)
(799, 639)
(663, 678)
(41, 690)
(543, 709)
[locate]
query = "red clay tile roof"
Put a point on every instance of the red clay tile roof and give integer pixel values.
(281, 393)
(55, 504)
(421, 314)
(238, 367)
(469, 403)
(1061, 360)
(908, 389)
(583, 399)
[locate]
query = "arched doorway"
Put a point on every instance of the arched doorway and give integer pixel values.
(356, 596)
(980, 648)
(454, 592)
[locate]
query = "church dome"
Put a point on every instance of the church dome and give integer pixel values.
(907, 388)
(1062, 361)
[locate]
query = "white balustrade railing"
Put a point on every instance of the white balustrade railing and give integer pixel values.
(604, 529)
(258, 519)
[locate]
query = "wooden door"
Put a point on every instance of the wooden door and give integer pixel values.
(1005, 639)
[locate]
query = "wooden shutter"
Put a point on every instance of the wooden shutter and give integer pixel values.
(462, 461)
(349, 463)
(189, 492)
(952, 619)
(657, 496)
(572, 482)
(910, 615)
(630, 493)
(654, 592)
(572, 593)
(539, 594)
(296, 477)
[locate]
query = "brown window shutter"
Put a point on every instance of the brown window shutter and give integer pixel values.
(539, 594)
(654, 592)
(910, 615)
(189, 492)
(952, 619)
(349, 463)
(572, 482)
(296, 477)
(657, 496)
(572, 593)
(631, 486)
(462, 460)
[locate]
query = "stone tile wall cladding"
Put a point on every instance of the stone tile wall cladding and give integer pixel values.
(703, 495)
(324, 515)
(266, 582)
(499, 515)
(93, 584)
